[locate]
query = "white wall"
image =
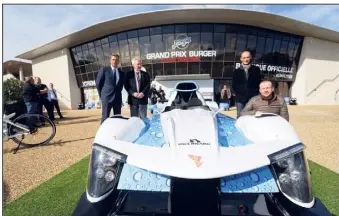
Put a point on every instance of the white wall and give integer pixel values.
(319, 61)
(57, 68)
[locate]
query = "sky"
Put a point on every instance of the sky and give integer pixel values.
(26, 27)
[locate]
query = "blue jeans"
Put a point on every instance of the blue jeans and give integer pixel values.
(31, 109)
(240, 106)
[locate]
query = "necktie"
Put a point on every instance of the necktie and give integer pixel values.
(138, 79)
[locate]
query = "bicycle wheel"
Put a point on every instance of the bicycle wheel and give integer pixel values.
(43, 130)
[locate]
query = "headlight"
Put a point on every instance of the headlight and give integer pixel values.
(293, 176)
(103, 172)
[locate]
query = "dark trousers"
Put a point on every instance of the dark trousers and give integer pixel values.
(240, 106)
(107, 107)
(48, 106)
(138, 111)
(55, 103)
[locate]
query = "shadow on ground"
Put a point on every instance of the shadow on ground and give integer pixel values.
(53, 143)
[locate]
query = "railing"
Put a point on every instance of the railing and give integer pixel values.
(322, 83)
(62, 96)
(336, 95)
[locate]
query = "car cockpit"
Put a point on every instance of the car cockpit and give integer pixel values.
(186, 96)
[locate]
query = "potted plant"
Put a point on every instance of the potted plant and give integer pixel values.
(12, 94)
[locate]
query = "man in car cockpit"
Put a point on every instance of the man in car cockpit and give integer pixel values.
(266, 102)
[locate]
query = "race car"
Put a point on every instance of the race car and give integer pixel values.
(190, 159)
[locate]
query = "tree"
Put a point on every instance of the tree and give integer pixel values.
(12, 90)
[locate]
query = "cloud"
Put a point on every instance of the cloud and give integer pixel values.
(26, 27)
(322, 15)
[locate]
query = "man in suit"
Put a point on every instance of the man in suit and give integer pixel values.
(109, 83)
(43, 99)
(137, 84)
(53, 99)
(246, 80)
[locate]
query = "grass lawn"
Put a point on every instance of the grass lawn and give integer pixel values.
(59, 195)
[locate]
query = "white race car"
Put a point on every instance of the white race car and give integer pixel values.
(189, 159)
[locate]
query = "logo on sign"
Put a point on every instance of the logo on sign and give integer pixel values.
(88, 83)
(181, 42)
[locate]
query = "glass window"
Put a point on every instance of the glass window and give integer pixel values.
(219, 28)
(276, 45)
(84, 77)
(228, 70)
(145, 48)
(88, 68)
(193, 67)
(206, 41)
(168, 42)
(112, 38)
(155, 30)
(132, 34)
(107, 52)
(168, 29)
(241, 42)
(219, 45)
(124, 53)
(181, 68)
(158, 70)
(90, 76)
(217, 69)
(169, 68)
(258, 58)
(251, 43)
(269, 45)
(143, 32)
(97, 43)
(92, 56)
(75, 57)
(207, 27)
(290, 51)
(90, 45)
(283, 47)
(84, 47)
(195, 41)
(77, 70)
(78, 49)
(82, 69)
(122, 36)
(134, 47)
(148, 68)
(230, 45)
(182, 28)
(96, 67)
(100, 54)
(193, 28)
(114, 48)
(157, 45)
(261, 45)
(104, 41)
(206, 68)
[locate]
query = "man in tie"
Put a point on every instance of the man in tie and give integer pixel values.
(246, 80)
(109, 83)
(137, 84)
(53, 99)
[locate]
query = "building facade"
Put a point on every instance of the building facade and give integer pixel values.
(211, 46)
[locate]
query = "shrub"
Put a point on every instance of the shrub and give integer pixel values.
(12, 90)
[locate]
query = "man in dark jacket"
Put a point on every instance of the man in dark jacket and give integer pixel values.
(109, 83)
(137, 85)
(246, 80)
(43, 99)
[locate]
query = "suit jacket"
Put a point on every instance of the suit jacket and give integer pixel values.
(131, 87)
(246, 89)
(109, 91)
(50, 94)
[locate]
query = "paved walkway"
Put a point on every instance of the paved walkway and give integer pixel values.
(317, 126)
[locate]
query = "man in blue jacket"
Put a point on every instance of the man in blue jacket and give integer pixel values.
(109, 83)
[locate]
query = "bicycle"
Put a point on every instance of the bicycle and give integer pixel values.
(18, 129)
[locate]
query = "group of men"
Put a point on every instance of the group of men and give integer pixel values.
(253, 95)
(111, 80)
(36, 96)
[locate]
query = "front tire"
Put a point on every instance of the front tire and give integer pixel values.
(42, 124)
